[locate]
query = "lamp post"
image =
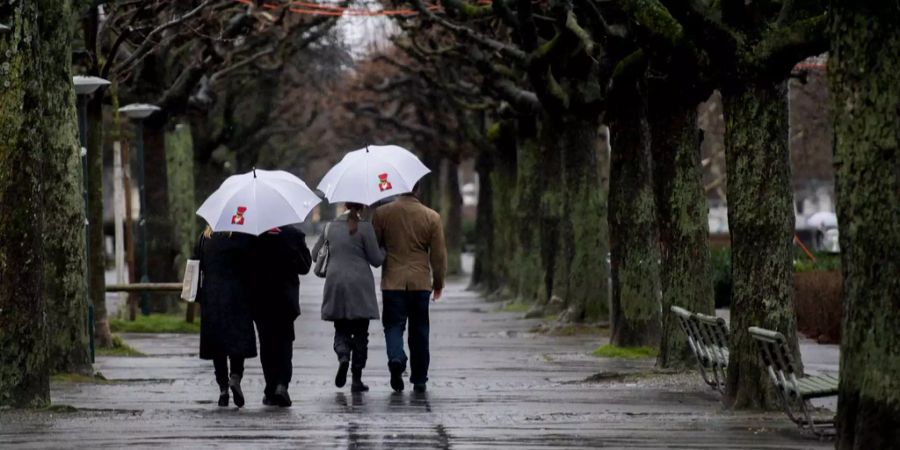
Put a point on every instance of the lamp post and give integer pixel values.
(85, 86)
(137, 112)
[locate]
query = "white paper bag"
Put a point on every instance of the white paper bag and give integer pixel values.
(191, 280)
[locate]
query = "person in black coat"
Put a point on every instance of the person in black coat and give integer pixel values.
(225, 292)
(281, 255)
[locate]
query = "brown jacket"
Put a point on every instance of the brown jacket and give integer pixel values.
(413, 236)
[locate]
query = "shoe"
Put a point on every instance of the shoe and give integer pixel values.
(419, 388)
(235, 384)
(269, 401)
(223, 397)
(396, 369)
(341, 378)
(281, 396)
(357, 385)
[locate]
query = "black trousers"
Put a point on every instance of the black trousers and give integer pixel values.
(276, 350)
(351, 342)
(220, 363)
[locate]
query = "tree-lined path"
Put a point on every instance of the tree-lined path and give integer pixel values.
(494, 383)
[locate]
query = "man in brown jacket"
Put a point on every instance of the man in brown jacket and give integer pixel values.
(416, 263)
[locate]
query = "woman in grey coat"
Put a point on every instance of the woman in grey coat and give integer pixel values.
(349, 300)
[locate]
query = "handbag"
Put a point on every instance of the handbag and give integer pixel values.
(191, 280)
(323, 256)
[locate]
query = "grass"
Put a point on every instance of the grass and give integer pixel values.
(119, 348)
(612, 351)
(155, 323)
(79, 378)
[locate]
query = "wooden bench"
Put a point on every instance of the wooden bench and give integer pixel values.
(794, 392)
(708, 340)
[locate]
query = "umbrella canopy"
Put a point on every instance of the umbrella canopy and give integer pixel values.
(371, 174)
(258, 201)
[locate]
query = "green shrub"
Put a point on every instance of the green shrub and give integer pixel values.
(155, 323)
(824, 261)
(469, 236)
(720, 268)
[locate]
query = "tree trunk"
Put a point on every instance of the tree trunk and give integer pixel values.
(451, 202)
(180, 172)
(97, 250)
(37, 137)
(160, 233)
(863, 75)
(528, 272)
(430, 185)
(64, 265)
(504, 230)
(682, 218)
(761, 220)
(579, 238)
(483, 275)
(635, 315)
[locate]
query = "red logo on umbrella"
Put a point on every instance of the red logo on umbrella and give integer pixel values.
(238, 219)
(383, 183)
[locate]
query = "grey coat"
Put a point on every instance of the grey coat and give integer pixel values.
(349, 284)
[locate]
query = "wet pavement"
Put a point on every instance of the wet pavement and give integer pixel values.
(494, 384)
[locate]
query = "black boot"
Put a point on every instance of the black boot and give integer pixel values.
(357, 385)
(341, 378)
(235, 384)
(396, 369)
(223, 397)
(281, 396)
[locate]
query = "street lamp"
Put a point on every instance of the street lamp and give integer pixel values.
(85, 86)
(137, 112)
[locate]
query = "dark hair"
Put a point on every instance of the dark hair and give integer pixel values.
(353, 210)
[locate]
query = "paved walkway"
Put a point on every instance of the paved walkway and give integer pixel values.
(495, 384)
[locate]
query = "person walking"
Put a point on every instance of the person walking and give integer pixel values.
(224, 293)
(349, 295)
(281, 256)
(415, 267)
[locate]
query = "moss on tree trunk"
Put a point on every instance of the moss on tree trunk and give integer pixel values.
(180, 171)
(634, 255)
(451, 212)
(681, 213)
(578, 235)
(37, 138)
(496, 226)
(865, 90)
(528, 268)
(761, 221)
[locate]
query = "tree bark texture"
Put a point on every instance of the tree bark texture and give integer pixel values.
(634, 255)
(682, 218)
(578, 233)
(451, 212)
(761, 220)
(863, 72)
(483, 275)
(37, 136)
(160, 233)
(528, 266)
(97, 253)
(505, 230)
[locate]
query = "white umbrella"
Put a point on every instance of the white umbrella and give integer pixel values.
(371, 174)
(822, 220)
(258, 201)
